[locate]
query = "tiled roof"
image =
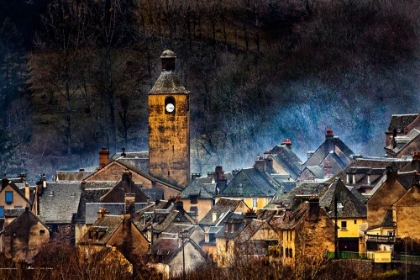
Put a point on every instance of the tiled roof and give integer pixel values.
(348, 205)
(410, 137)
(59, 202)
(222, 206)
(15, 212)
(254, 184)
(172, 217)
(164, 249)
(400, 121)
(406, 179)
(316, 170)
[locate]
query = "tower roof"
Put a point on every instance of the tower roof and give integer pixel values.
(168, 82)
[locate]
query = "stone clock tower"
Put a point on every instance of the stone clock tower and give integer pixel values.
(169, 126)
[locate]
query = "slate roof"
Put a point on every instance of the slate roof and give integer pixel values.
(153, 194)
(399, 121)
(386, 222)
(59, 201)
(92, 209)
(250, 229)
(254, 184)
(107, 225)
(77, 175)
(290, 219)
(307, 189)
(200, 190)
(352, 207)
(222, 206)
(88, 195)
(332, 144)
(374, 163)
(410, 137)
(173, 217)
(166, 248)
(287, 159)
(168, 83)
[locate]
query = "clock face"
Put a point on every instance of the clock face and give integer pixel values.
(170, 107)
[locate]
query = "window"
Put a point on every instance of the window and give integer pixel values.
(355, 221)
(42, 231)
(343, 225)
(1, 212)
(9, 197)
(255, 202)
(290, 253)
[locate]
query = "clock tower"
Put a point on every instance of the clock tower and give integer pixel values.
(169, 126)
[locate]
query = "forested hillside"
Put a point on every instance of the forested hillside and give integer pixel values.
(75, 75)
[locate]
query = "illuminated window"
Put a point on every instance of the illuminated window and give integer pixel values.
(9, 197)
(255, 202)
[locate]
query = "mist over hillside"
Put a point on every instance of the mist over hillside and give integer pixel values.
(75, 76)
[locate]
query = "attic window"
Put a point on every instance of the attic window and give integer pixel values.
(51, 193)
(42, 231)
(9, 197)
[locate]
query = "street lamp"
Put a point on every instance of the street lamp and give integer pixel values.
(183, 234)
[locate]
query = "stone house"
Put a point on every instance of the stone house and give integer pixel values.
(23, 238)
(114, 231)
(305, 232)
(348, 213)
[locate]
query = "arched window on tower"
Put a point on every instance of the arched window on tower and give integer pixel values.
(169, 105)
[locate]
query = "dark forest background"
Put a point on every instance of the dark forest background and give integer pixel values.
(75, 76)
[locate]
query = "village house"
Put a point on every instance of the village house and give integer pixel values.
(114, 231)
(252, 185)
(348, 213)
(331, 157)
(305, 232)
(23, 238)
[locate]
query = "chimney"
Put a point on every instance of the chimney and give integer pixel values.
(235, 172)
(27, 192)
(103, 157)
(221, 184)
(129, 201)
(391, 173)
(313, 208)
(218, 171)
(102, 212)
(415, 163)
(405, 130)
(123, 154)
(39, 187)
(44, 180)
(4, 182)
(329, 145)
(260, 164)
(179, 205)
(287, 143)
(168, 60)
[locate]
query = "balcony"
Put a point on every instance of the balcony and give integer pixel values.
(384, 239)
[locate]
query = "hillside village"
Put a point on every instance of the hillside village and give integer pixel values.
(148, 205)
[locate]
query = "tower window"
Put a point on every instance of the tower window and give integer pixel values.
(169, 105)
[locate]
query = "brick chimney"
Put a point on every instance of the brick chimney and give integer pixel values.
(329, 144)
(415, 163)
(103, 157)
(102, 212)
(287, 143)
(260, 163)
